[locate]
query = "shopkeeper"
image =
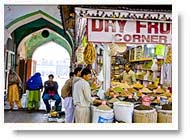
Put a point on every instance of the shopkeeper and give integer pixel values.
(128, 75)
(82, 97)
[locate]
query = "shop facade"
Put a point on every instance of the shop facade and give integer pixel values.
(141, 39)
(131, 40)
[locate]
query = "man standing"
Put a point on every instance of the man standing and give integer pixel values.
(128, 75)
(68, 102)
(82, 97)
(66, 94)
(77, 74)
(50, 92)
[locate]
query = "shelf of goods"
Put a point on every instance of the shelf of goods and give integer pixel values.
(99, 63)
(146, 69)
(99, 60)
(117, 66)
(136, 53)
(141, 59)
(144, 73)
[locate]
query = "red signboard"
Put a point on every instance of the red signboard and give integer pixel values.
(129, 31)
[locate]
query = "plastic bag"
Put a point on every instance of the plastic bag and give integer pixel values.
(154, 65)
(101, 93)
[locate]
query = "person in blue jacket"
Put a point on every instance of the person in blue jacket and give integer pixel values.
(50, 92)
(35, 86)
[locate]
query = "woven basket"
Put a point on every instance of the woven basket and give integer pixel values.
(145, 116)
(164, 116)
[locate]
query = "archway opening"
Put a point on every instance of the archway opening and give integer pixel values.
(51, 58)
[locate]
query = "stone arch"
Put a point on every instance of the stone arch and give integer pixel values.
(32, 22)
(31, 42)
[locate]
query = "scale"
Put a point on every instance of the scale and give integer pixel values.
(53, 116)
(52, 119)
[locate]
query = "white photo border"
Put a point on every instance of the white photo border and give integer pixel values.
(93, 126)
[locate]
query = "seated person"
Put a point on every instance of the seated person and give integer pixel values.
(50, 92)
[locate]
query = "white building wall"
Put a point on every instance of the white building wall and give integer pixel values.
(11, 12)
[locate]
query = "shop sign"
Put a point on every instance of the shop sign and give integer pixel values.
(129, 31)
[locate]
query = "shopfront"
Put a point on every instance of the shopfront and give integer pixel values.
(135, 41)
(142, 41)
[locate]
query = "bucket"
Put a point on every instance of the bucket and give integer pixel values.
(102, 116)
(92, 108)
(165, 116)
(163, 100)
(146, 100)
(145, 116)
(123, 111)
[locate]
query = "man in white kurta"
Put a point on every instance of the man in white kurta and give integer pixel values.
(67, 93)
(82, 98)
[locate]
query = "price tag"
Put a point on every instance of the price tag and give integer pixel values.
(130, 96)
(103, 102)
(158, 98)
(150, 83)
(154, 91)
(160, 50)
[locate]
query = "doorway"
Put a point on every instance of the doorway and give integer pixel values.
(51, 58)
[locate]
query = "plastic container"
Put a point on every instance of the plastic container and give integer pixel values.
(123, 111)
(163, 100)
(92, 109)
(102, 116)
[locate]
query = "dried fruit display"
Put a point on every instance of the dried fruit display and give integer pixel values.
(151, 86)
(113, 100)
(125, 94)
(167, 107)
(80, 55)
(159, 91)
(89, 54)
(167, 94)
(104, 107)
(145, 90)
(138, 86)
(143, 107)
(132, 90)
(118, 90)
(169, 56)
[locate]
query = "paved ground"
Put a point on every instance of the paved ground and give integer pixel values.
(23, 116)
